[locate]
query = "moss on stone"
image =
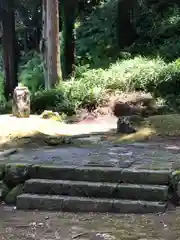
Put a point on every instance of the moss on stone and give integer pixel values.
(51, 115)
(2, 171)
(16, 174)
(11, 196)
(5, 190)
(174, 179)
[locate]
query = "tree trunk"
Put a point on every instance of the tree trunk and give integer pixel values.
(9, 47)
(68, 17)
(51, 48)
(126, 33)
(43, 43)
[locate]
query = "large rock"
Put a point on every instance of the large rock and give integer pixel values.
(4, 190)
(143, 105)
(121, 109)
(175, 187)
(15, 174)
(21, 102)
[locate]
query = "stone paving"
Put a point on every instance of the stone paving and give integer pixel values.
(92, 150)
(137, 155)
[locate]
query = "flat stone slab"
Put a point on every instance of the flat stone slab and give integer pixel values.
(99, 174)
(136, 156)
(97, 189)
(79, 204)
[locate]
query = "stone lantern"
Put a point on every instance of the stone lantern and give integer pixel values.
(21, 102)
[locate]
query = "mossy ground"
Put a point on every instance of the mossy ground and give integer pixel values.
(163, 126)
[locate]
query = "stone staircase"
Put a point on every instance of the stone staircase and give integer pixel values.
(95, 189)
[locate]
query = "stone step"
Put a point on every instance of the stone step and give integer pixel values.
(101, 174)
(97, 189)
(84, 204)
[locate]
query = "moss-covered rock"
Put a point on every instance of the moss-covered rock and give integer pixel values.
(51, 115)
(175, 179)
(15, 174)
(11, 197)
(54, 141)
(4, 190)
(174, 188)
(2, 171)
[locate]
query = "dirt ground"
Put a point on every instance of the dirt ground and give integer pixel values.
(13, 129)
(19, 225)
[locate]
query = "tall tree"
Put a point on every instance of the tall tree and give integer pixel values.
(126, 33)
(50, 46)
(29, 23)
(9, 47)
(68, 17)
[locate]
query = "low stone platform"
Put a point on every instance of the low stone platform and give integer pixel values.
(96, 177)
(136, 156)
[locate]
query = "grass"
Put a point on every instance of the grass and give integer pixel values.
(163, 126)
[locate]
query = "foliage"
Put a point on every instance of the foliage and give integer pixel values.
(151, 64)
(31, 73)
(169, 80)
(1, 87)
(53, 99)
(96, 36)
(157, 25)
(150, 75)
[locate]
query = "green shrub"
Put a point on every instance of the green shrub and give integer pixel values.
(53, 99)
(86, 91)
(169, 80)
(135, 74)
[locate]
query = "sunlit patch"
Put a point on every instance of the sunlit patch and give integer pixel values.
(141, 134)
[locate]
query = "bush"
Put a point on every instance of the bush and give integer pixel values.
(53, 99)
(135, 74)
(86, 91)
(140, 73)
(169, 80)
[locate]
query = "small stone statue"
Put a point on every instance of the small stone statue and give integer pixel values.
(21, 102)
(124, 126)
